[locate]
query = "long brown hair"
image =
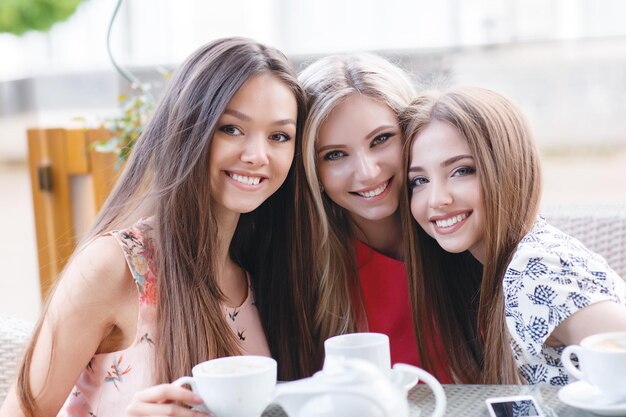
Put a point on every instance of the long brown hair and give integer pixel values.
(328, 82)
(167, 178)
(457, 297)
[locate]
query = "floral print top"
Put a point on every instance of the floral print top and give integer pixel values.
(550, 277)
(108, 383)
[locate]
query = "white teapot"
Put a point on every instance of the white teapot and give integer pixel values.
(356, 388)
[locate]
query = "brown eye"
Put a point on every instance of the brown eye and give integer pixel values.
(231, 130)
(280, 137)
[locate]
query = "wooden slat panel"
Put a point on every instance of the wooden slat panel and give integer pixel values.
(61, 225)
(38, 156)
(102, 167)
(77, 152)
(68, 153)
(53, 217)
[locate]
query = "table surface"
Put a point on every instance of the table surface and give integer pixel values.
(469, 400)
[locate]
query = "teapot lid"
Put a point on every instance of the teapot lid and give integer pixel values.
(339, 370)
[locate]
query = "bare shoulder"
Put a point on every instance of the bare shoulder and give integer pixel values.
(91, 299)
(97, 276)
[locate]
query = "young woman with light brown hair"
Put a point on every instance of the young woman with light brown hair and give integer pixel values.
(352, 151)
(505, 290)
(198, 253)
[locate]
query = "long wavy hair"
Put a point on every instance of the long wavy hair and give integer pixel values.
(328, 82)
(456, 296)
(167, 177)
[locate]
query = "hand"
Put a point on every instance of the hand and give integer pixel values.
(159, 400)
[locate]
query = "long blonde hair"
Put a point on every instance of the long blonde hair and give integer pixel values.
(167, 178)
(457, 297)
(328, 82)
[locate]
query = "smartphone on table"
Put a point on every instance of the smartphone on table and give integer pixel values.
(516, 406)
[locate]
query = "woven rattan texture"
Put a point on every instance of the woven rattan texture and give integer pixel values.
(14, 334)
(601, 227)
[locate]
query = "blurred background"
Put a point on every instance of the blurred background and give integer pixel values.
(562, 61)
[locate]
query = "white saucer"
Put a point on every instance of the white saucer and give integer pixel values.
(586, 397)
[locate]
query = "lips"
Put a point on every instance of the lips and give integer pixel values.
(374, 191)
(450, 223)
(246, 178)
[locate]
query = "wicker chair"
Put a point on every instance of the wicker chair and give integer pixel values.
(14, 334)
(600, 227)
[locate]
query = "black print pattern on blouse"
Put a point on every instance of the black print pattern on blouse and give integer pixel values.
(550, 277)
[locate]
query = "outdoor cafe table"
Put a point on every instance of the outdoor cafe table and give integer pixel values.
(469, 400)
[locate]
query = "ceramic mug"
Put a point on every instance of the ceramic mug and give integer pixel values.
(371, 347)
(602, 363)
(234, 386)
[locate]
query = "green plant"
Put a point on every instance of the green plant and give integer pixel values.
(135, 108)
(19, 16)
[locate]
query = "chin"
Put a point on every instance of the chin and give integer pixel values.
(453, 248)
(243, 208)
(377, 215)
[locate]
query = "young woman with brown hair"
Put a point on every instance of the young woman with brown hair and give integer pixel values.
(198, 253)
(352, 151)
(505, 290)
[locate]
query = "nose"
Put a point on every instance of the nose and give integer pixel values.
(367, 167)
(255, 151)
(440, 195)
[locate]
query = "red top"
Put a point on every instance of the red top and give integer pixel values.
(385, 290)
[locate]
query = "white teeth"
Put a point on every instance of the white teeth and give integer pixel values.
(374, 192)
(451, 221)
(245, 180)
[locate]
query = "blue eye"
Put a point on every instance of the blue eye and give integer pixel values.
(333, 155)
(381, 138)
(231, 130)
(416, 182)
(463, 171)
(280, 137)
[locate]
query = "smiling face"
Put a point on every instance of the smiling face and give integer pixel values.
(446, 198)
(253, 145)
(359, 150)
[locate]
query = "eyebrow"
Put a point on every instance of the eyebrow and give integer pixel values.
(368, 136)
(445, 163)
(246, 118)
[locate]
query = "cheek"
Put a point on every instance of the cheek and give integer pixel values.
(331, 174)
(284, 159)
(419, 210)
(415, 208)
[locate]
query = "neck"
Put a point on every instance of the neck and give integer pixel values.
(231, 278)
(384, 235)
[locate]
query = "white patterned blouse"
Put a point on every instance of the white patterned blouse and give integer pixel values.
(550, 277)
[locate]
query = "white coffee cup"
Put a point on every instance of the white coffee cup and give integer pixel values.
(372, 347)
(234, 386)
(602, 363)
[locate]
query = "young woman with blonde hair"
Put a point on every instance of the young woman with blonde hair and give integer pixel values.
(505, 290)
(352, 150)
(196, 254)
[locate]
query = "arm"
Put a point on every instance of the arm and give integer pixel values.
(92, 297)
(604, 316)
